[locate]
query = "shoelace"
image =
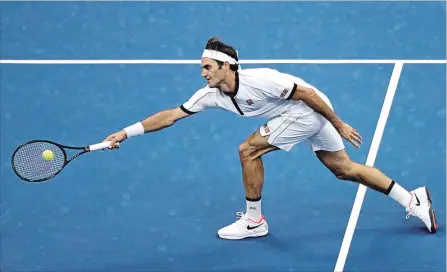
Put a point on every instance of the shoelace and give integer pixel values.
(411, 209)
(410, 212)
(240, 215)
(239, 222)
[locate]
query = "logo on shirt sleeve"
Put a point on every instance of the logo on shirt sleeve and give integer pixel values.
(284, 92)
(266, 128)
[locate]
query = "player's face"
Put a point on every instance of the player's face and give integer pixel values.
(212, 73)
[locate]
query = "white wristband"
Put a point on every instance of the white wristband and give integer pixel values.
(134, 130)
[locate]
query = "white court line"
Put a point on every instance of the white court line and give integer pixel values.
(192, 61)
(213, 0)
(369, 162)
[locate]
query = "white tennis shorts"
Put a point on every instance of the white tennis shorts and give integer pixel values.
(285, 131)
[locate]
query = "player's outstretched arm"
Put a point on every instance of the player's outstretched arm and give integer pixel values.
(158, 121)
(313, 100)
(163, 119)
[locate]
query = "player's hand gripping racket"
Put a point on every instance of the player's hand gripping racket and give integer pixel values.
(40, 160)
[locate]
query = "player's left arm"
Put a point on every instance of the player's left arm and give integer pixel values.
(313, 100)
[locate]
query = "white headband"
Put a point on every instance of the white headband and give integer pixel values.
(218, 56)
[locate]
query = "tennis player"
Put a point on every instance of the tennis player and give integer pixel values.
(296, 112)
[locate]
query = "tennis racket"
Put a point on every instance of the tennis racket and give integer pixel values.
(30, 165)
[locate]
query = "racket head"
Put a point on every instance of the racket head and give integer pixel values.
(29, 165)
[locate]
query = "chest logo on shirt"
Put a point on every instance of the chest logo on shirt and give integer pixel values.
(249, 102)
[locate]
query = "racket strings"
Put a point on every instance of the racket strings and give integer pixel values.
(30, 164)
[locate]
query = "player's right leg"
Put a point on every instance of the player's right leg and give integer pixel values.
(252, 223)
(281, 132)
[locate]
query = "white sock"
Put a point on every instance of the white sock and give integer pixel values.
(399, 194)
(254, 209)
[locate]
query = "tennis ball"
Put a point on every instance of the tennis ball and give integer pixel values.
(48, 155)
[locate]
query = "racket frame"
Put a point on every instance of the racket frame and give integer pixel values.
(67, 160)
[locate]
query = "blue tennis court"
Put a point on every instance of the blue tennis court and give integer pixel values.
(157, 203)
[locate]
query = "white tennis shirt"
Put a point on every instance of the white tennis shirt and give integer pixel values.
(260, 92)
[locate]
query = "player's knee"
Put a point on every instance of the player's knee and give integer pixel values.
(341, 175)
(245, 151)
(343, 171)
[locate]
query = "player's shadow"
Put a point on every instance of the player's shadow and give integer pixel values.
(228, 256)
(401, 230)
(225, 257)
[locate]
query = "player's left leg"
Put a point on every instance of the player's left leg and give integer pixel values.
(417, 202)
(329, 149)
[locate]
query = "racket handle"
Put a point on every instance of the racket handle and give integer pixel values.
(99, 146)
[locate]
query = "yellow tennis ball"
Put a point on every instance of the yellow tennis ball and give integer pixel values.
(48, 155)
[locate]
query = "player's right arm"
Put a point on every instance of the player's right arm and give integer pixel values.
(158, 121)
(202, 99)
(163, 119)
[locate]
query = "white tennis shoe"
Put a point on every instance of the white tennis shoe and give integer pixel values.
(421, 206)
(244, 228)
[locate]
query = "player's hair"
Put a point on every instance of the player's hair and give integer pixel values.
(215, 44)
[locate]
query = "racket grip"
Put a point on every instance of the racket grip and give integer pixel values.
(99, 146)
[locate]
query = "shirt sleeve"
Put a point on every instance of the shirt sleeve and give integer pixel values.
(199, 101)
(282, 86)
(272, 83)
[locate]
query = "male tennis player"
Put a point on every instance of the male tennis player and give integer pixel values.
(296, 112)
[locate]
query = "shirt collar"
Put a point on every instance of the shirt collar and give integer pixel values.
(236, 87)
